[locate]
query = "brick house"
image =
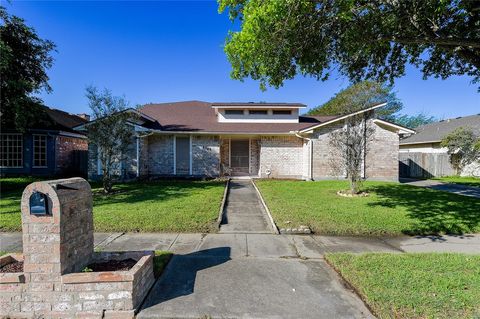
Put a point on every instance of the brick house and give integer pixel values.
(50, 147)
(268, 140)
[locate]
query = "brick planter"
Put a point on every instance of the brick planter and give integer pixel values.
(57, 247)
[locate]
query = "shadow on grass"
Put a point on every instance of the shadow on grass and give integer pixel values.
(433, 212)
(152, 191)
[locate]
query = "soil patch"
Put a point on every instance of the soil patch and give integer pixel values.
(16, 266)
(113, 265)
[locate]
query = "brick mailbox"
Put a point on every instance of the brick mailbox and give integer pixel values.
(59, 275)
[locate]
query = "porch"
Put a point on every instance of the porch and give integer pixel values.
(239, 156)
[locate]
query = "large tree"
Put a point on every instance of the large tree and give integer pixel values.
(109, 131)
(361, 95)
(414, 121)
(463, 147)
(24, 60)
(362, 39)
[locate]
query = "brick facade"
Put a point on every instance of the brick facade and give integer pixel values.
(206, 156)
(382, 157)
(67, 149)
(282, 155)
(160, 155)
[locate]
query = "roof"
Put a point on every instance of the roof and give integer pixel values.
(54, 120)
(435, 132)
(63, 121)
(199, 116)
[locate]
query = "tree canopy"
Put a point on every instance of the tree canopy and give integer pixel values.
(24, 60)
(361, 39)
(109, 131)
(359, 96)
(463, 147)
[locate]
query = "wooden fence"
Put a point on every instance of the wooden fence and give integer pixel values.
(424, 165)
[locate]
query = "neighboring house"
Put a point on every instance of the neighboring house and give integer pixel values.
(50, 148)
(272, 140)
(422, 156)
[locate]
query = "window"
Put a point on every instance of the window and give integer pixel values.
(282, 112)
(258, 112)
(11, 153)
(39, 150)
(234, 112)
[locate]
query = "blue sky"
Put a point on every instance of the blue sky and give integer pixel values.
(170, 51)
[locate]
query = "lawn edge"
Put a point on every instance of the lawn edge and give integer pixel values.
(270, 218)
(222, 205)
(349, 285)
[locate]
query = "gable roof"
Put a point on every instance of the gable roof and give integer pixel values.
(435, 132)
(62, 120)
(199, 116)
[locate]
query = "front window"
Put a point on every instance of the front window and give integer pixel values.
(282, 112)
(234, 112)
(11, 150)
(39, 150)
(258, 112)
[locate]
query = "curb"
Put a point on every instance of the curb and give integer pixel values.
(270, 218)
(222, 206)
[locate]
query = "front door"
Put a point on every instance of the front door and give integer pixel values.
(239, 157)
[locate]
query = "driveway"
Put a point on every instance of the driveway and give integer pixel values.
(442, 186)
(250, 276)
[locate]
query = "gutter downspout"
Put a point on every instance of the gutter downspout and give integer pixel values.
(310, 142)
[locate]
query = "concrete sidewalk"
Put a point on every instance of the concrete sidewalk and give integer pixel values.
(244, 212)
(268, 245)
(442, 186)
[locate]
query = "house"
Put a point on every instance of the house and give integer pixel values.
(421, 155)
(268, 140)
(51, 147)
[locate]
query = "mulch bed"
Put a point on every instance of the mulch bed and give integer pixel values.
(113, 265)
(16, 266)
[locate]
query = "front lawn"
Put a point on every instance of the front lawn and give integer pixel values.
(414, 285)
(391, 209)
(160, 206)
(468, 181)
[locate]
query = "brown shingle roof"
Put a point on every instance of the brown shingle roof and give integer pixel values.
(198, 116)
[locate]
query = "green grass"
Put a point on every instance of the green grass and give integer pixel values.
(160, 206)
(391, 209)
(160, 261)
(468, 181)
(411, 286)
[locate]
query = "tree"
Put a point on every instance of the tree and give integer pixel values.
(361, 39)
(109, 131)
(361, 94)
(413, 121)
(350, 146)
(463, 147)
(24, 60)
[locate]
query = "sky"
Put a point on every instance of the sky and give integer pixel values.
(159, 51)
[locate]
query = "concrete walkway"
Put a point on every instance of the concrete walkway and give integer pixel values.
(267, 245)
(256, 275)
(442, 186)
(244, 212)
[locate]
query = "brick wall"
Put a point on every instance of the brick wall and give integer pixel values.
(254, 157)
(65, 147)
(224, 153)
(283, 155)
(205, 156)
(160, 154)
(382, 157)
(381, 160)
(323, 154)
